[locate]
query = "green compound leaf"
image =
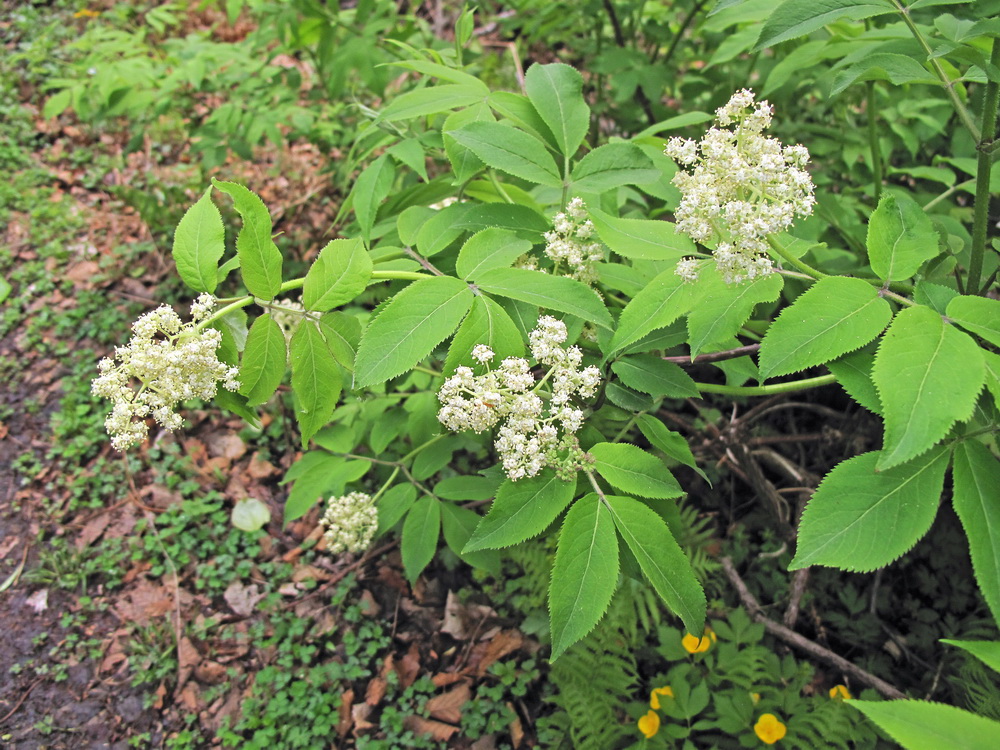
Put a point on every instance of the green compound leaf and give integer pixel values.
(652, 375)
(671, 443)
(550, 292)
(260, 259)
(556, 91)
(370, 189)
(922, 725)
(854, 373)
(836, 316)
(901, 238)
(795, 18)
(199, 244)
(393, 505)
(976, 499)
(977, 314)
(419, 540)
(340, 273)
(987, 652)
(522, 510)
(488, 249)
(664, 299)
(641, 239)
(861, 519)
(661, 560)
(409, 327)
(342, 333)
(316, 379)
(928, 375)
(510, 150)
(432, 100)
(721, 309)
(613, 165)
(487, 323)
(263, 361)
(631, 469)
(585, 572)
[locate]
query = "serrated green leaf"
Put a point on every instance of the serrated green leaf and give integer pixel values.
(661, 560)
(510, 150)
(489, 324)
(237, 404)
(854, 373)
(671, 443)
(340, 273)
(319, 474)
(393, 505)
(518, 109)
(901, 238)
(199, 244)
(342, 333)
(370, 189)
(652, 375)
(556, 91)
(411, 153)
(613, 165)
(664, 299)
(584, 574)
(264, 361)
(549, 292)
(458, 523)
(260, 259)
(928, 375)
(883, 66)
(419, 539)
(934, 296)
(992, 361)
(431, 101)
(522, 510)
(976, 498)
(721, 309)
(641, 239)
(467, 488)
(836, 316)
(987, 652)
(795, 18)
(632, 470)
(922, 725)
(316, 379)
(488, 249)
(980, 315)
(443, 72)
(861, 519)
(464, 162)
(409, 327)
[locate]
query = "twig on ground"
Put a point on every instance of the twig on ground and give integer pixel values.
(800, 642)
(360, 562)
(799, 580)
(21, 701)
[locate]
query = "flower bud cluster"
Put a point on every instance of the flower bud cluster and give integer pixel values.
(351, 522)
(571, 243)
(742, 186)
(533, 432)
(166, 362)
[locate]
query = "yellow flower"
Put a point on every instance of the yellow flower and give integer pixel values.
(86, 13)
(840, 692)
(649, 724)
(769, 729)
(695, 645)
(654, 697)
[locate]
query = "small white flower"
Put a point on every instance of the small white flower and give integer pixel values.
(351, 522)
(482, 353)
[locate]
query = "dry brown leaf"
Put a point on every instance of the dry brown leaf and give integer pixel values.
(448, 706)
(242, 599)
(443, 679)
(259, 468)
(437, 730)
(409, 667)
(506, 642)
(188, 658)
(359, 715)
(225, 444)
(516, 730)
(344, 725)
(463, 621)
(92, 530)
(375, 691)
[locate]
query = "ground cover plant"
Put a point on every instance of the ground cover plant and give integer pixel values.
(647, 382)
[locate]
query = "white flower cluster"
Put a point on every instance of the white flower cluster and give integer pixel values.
(571, 243)
(742, 187)
(166, 362)
(351, 522)
(534, 433)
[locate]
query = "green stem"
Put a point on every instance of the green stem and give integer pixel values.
(419, 448)
(947, 194)
(960, 109)
(767, 390)
(595, 485)
(873, 143)
(499, 187)
(628, 426)
(387, 484)
(787, 256)
(897, 297)
(983, 169)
